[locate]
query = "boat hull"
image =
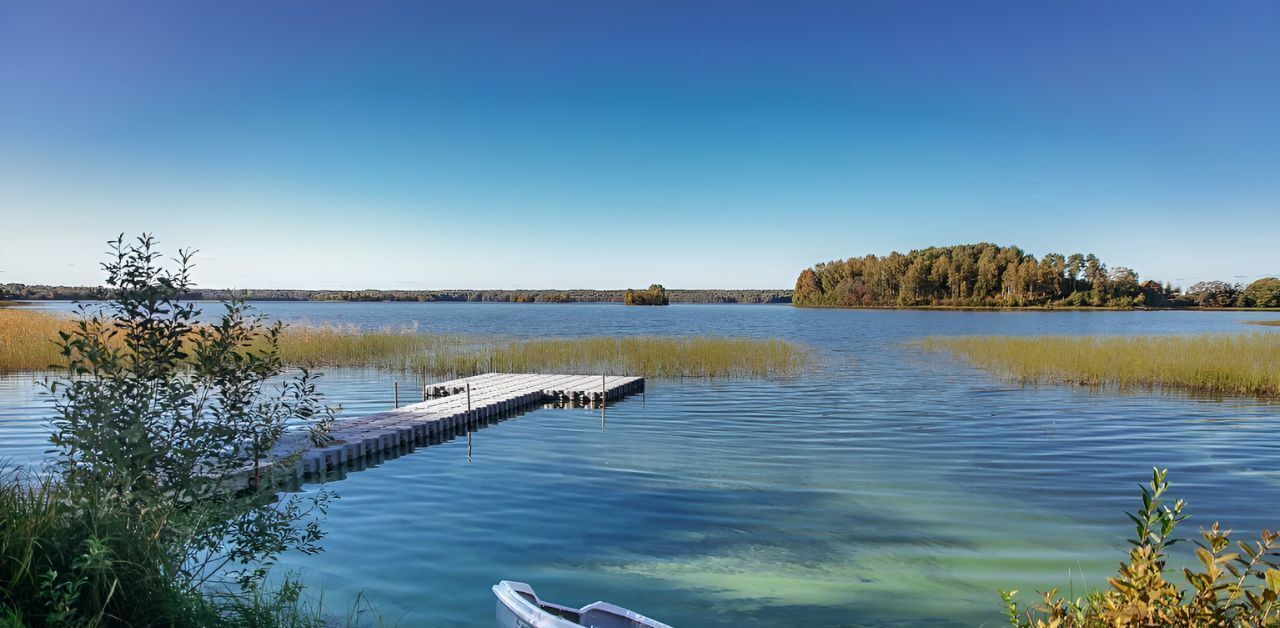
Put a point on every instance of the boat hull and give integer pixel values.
(519, 607)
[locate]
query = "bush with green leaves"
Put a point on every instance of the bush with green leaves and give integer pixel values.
(163, 508)
(1227, 588)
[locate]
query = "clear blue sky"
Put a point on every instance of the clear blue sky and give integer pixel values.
(610, 144)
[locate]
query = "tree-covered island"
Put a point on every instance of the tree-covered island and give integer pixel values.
(989, 275)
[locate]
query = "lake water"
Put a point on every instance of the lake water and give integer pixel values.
(886, 487)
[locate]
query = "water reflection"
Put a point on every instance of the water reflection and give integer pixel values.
(888, 487)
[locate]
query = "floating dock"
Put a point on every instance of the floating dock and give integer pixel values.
(448, 409)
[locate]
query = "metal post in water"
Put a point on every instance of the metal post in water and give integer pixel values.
(397, 393)
(470, 426)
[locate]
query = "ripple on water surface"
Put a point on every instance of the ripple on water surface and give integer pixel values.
(887, 488)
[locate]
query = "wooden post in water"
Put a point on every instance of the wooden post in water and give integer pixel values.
(604, 392)
(468, 402)
(397, 393)
(424, 384)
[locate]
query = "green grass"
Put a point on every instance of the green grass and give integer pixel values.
(461, 355)
(1234, 364)
(103, 563)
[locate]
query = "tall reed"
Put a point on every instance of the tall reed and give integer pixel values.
(1244, 364)
(26, 344)
(663, 356)
(461, 355)
(27, 339)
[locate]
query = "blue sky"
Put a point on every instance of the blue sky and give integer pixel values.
(610, 144)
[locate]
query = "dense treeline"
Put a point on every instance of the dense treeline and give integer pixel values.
(655, 295)
(25, 292)
(39, 293)
(988, 275)
(1264, 292)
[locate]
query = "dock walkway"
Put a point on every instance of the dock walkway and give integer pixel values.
(450, 406)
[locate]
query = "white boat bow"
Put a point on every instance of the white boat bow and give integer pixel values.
(519, 607)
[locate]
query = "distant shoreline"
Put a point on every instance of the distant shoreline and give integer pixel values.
(34, 302)
(1036, 308)
(886, 308)
(36, 293)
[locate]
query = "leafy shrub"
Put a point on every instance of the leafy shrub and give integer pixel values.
(163, 510)
(1228, 588)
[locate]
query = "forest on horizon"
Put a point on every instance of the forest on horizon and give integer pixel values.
(989, 275)
(20, 292)
(966, 275)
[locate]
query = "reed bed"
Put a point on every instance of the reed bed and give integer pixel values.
(402, 350)
(1232, 364)
(462, 355)
(1275, 323)
(27, 339)
(26, 344)
(656, 356)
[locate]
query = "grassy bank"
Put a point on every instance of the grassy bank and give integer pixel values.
(1275, 323)
(1241, 364)
(71, 559)
(26, 344)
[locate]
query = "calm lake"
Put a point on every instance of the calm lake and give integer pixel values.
(886, 487)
